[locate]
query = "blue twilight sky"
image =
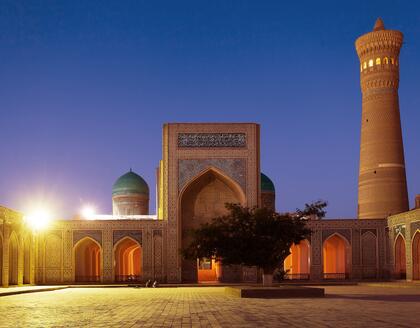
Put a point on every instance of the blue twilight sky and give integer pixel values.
(85, 87)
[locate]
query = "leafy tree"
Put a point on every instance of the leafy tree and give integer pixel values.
(252, 236)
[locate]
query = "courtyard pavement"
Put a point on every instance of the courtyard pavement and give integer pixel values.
(344, 306)
(14, 290)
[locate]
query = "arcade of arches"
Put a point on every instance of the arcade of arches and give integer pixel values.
(335, 255)
(202, 200)
(20, 263)
(16, 258)
(127, 260)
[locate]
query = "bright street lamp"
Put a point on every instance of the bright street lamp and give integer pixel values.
(39, 219)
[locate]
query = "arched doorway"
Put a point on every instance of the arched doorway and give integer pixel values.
(202, 200)
(400, 260)
(27, 260)
(297, 264)
(416, 256)
(87, 259)
(13, 259)
(336, 256)
(128, 265)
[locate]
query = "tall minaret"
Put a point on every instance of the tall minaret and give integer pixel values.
(382, 180)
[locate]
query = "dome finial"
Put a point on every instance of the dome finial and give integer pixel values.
(379, 25)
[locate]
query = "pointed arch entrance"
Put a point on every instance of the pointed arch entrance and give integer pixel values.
(336, 257)
(416, 255)
(297, 264)
(128, 260)
(13, 259)
(87, 260)
(400, 260)
(203, 199)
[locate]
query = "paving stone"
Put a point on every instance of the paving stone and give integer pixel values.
(343, 306)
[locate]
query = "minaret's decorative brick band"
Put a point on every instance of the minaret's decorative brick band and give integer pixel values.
(382, 179)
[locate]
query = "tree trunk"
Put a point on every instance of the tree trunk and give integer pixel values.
(267, 279)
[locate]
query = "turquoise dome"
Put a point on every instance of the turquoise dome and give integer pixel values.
(130, 183)
(266, 184)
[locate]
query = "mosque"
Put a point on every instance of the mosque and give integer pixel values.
(205, 165)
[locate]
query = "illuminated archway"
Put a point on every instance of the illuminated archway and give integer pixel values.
(13, 259)
(336, 257)
(400, 260)
(27, 260)
(203, 199)
(297, 264)
(87, 260)
(128, 265)
(416, 256)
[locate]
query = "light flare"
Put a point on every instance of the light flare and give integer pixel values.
(88, 212)
(38, 219)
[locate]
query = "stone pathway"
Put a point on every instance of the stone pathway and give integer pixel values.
(345, 306)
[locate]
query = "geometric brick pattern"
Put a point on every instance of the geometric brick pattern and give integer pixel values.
(382, 179)
(344, 306)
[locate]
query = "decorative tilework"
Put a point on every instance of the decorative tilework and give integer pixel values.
(414, 227)
(371, 230)
(233, 167)
(343, 232)
(80, 234)
(400, 229)
(120, 234)
(356, 247)
(212, 140)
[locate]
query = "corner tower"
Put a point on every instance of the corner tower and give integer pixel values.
(382, 179)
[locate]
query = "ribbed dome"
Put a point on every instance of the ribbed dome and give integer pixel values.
(130, 183)
(266, 184)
